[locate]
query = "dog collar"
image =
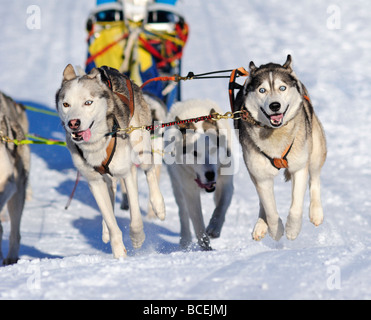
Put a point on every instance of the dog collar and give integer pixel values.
(247, 117)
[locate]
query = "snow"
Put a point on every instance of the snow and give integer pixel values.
(62, 255)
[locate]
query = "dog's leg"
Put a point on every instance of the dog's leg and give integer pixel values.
(156, 198)
(185, 228)
(294, 219)
(195, 213)
(8, 190)
(1, 241)
(317, 159)
(151, 213)
(111, 184)
(103, 199)
(142, 147)
(261, 226)
(15, 209)
(222, 198)
(137, 235)
(266, 195)
(315, 210)
(124, 201)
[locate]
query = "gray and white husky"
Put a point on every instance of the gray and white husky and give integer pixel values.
(202, 161)
(93, 108)
(279, 129)
(15, 167)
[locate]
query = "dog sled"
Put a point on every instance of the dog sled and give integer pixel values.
(143, 39)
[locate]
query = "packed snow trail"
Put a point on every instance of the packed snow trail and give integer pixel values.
(62, 255)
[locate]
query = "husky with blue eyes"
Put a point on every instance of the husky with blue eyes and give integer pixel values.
(93, 108)
(279, 130)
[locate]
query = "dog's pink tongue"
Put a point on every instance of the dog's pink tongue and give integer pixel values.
(86, 135)
(277, 117)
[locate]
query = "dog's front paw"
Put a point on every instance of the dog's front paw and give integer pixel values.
(204, 243)
(293, 227)
(10, 261)
(137, 237)
(158, 207)
(105, 236)
(150, 213)
(260, 230)
(316, 214)
(276, 230)
(213, 229)
(185, 242)
(118, 250)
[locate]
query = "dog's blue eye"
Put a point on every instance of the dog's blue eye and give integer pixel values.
(262, 90)
(88, 103)
(282, 88)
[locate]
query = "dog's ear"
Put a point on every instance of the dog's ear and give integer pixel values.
(101, 75)
(252, 67)
(288, 64)
(211, 121)
(185, 125)
(69, 73)
(181, 126)
(94, 73)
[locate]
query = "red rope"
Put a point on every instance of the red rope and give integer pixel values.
(172, 78)
(173, 123)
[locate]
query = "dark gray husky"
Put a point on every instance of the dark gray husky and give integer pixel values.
(15, 167)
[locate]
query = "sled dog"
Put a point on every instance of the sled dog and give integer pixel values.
(15, 167)
(93, 108)
(281, 130)
(202, 150)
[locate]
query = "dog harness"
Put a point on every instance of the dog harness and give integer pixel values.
(280, 163)
(111, 148)
(128, 102)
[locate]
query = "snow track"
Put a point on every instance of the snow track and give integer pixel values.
(62, 256)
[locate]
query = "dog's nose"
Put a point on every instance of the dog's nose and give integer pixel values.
(210, 175)
(74, 124)
(275, 106)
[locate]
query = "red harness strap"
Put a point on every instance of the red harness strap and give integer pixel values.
(128, 102)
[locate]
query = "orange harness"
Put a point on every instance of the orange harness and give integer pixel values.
(280, 163)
